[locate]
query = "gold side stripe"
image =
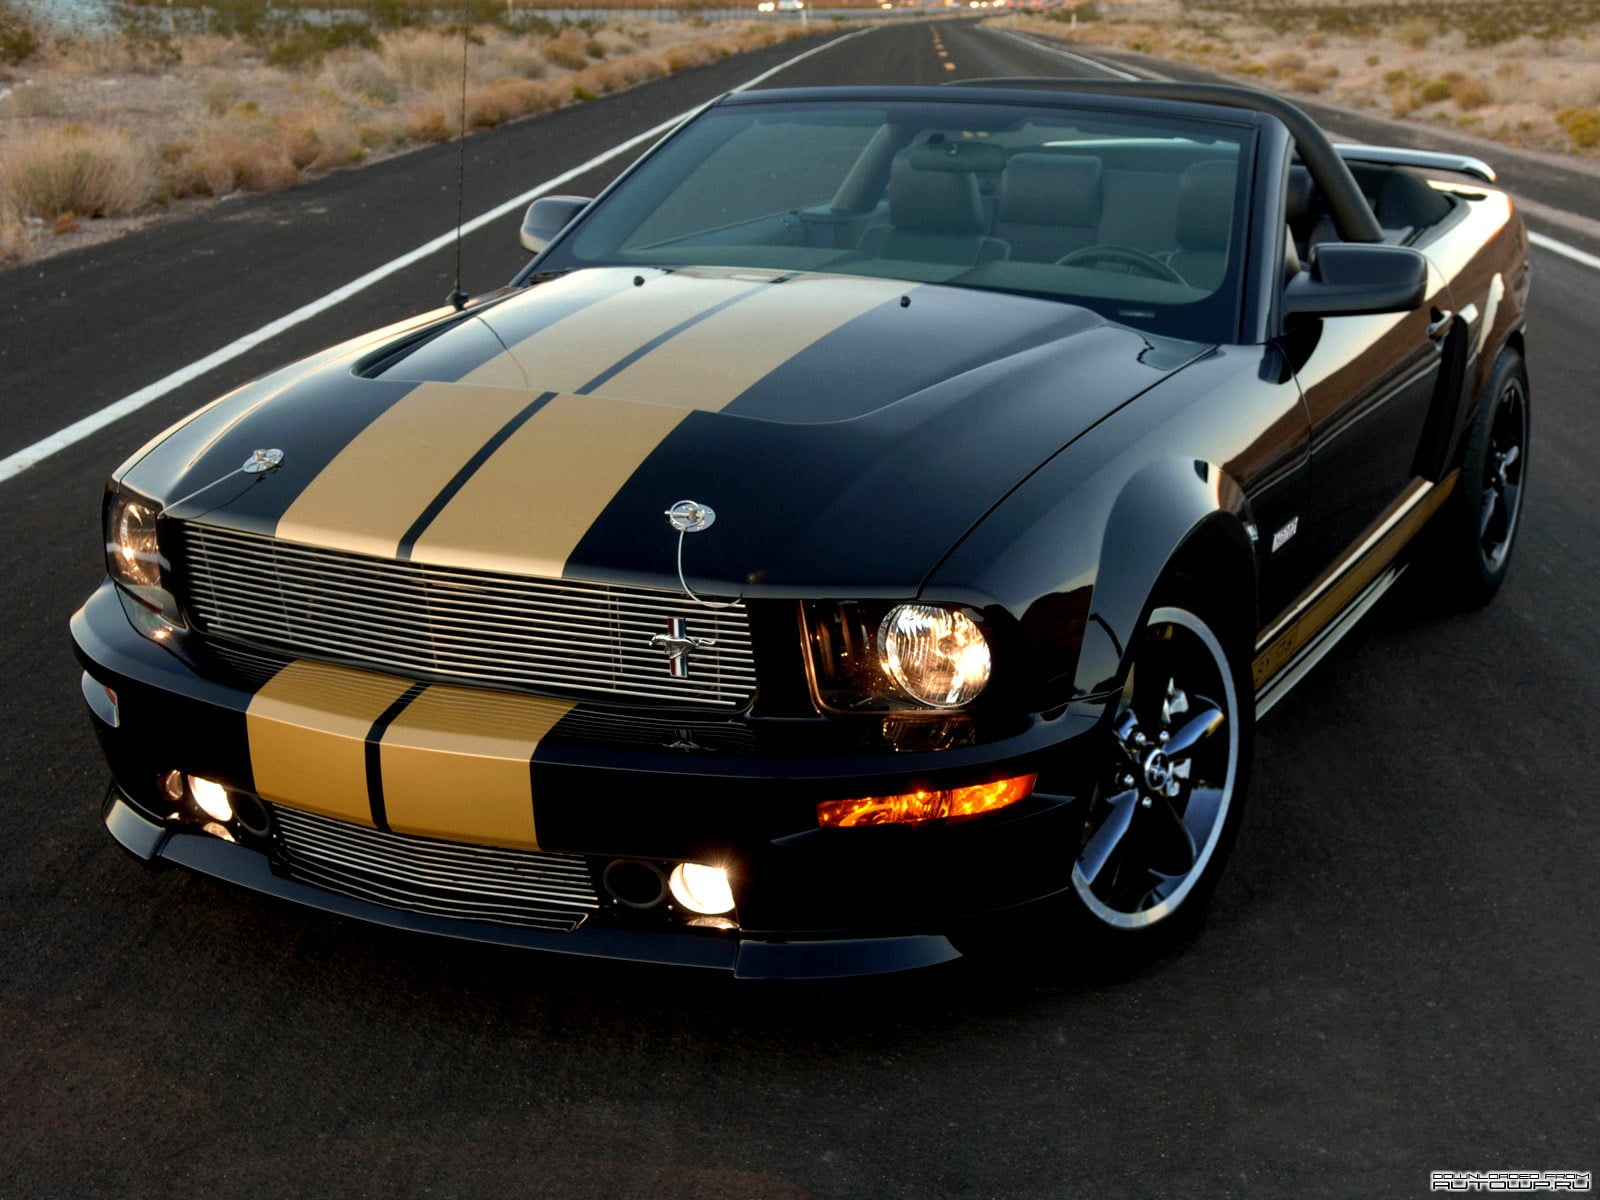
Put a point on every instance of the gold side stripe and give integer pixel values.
(1376, 553)
(307, 729)
(366, 499)
(456, 765)
(710, 364)
(568, 353)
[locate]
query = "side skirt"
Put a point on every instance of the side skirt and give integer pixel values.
(1330, 636)
(1313, 625)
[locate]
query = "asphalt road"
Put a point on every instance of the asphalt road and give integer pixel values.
(1398, 973)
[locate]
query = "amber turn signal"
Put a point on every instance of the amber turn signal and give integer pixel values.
(925, 806)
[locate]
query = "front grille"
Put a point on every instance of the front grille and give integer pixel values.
(445, 624)
(529, 888)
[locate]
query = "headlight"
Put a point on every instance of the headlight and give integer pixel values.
(939, 656)
(132, 556)
(867, 657)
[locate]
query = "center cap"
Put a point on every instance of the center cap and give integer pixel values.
(1157, 771)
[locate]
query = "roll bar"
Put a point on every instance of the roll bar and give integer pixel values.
(1352, 216)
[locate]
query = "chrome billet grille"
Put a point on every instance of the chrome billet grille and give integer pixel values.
(528, 888)
(446, 624)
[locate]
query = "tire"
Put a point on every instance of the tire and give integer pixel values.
(1170, 796)
(1478, 526)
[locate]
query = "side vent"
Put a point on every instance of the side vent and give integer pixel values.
(1439, 434)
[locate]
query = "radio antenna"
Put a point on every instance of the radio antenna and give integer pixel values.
(458, 298)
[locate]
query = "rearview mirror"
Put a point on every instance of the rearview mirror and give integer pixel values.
(1349, 279)
(548, 216)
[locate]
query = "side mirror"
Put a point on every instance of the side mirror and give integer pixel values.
(548, 216)
(1350, 279)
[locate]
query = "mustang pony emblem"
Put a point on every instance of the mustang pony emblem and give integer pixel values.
(678, 645)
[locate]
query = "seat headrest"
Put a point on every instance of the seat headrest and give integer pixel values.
(942, 202)
(1205, 205)
(1297, 200)
(1051, 189)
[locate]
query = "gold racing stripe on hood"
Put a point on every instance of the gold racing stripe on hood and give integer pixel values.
(369, 495)
(307, 728)
(528, 507)
(583, 345)
(711, 364)
(455, 765)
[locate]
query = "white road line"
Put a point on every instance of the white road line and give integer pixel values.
(1114, 72)
(1566, 251)
(16, 463)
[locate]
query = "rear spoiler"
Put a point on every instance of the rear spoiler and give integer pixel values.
(1426, 160)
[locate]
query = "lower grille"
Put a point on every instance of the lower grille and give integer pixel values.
(527, 888)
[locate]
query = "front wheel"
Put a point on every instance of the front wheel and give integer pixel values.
(1172, 787)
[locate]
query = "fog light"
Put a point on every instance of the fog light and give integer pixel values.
(211, 798)
(701, 889)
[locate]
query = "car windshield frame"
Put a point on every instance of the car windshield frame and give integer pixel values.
(901, 121)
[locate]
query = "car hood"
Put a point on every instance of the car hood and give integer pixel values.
(847, 431)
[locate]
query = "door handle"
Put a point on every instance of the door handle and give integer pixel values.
(1440, 325)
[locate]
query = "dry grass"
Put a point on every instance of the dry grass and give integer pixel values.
(111, 124)
(1506, 69)
(13, 233)
(71, 169)
(421, 58)
(36, 100)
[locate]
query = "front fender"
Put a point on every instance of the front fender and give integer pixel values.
(1077, 564)
(1174, 515)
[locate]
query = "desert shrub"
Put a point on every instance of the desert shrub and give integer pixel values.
(364, 78)
(212, 50)
(1435, 90)
(317, 138)
(1287, 62)
(91, 172)
(18, 38)
(566, 50)
(1416, 32)
(218, 164)
(1471, 93)
(220, 91)
(420, 59)
(1581, 125)
(1308, 82)
(310, 44)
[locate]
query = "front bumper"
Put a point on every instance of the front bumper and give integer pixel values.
(811, 902)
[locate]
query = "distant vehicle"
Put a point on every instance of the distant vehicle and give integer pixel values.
(876, 521)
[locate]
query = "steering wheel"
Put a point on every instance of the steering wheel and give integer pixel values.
(1136, 260)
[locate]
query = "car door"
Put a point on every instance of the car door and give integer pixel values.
(1369, 384)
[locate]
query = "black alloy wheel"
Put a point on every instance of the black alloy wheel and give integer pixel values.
(1160, 826)
(1479, 529)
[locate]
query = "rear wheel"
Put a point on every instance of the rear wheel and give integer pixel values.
(1479, 528)
(1171, 791)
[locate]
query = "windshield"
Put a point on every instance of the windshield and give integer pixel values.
(1137, 216)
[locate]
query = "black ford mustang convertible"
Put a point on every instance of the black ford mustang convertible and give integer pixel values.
(879, 517)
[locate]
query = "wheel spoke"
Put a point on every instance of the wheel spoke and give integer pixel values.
(1199, 727)
(1200, 814)
(1513, 452)
(1109, 837)
(1486, 511)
